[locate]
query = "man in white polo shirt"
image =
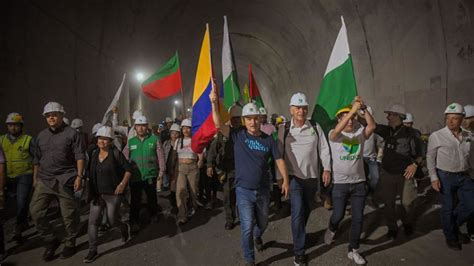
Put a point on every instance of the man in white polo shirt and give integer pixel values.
(303, 144)
(448, 165)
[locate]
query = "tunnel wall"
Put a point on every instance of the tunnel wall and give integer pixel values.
(415, 52)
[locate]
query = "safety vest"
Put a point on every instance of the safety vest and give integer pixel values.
(143, 156)
(18, 158)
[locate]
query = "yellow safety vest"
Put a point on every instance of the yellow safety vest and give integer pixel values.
(17, 154)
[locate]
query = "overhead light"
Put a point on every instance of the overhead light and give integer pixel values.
(176, 102)
(140, 76)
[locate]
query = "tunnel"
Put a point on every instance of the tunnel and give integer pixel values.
(417, 53)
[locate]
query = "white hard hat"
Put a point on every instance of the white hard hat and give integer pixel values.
(53, 107)
(105, 131)
(455, 108)
(66, 120)
(137, 114)
(235, 110)
(77, 123)
(396, 108)
(298, 99)
(174, 127)
(141, 120)
(168, 119)
(186, 123)
(262, 111)
(250, 109)
(469, 110)
(408, 118)
(14, 118)
(95, 128)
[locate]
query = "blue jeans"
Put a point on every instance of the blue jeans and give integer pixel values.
(340, 194)
(20, 189)
(372, 168)
(452, 216)
(302, 193)
(253, 214)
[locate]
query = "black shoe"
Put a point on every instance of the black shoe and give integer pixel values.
(300, 260)
(68, 252)
(392, 234)
(126, 233)
(453, 244)
(259, 244)
(91, 256)
(48, 254)
(229, 226)
(408, 229)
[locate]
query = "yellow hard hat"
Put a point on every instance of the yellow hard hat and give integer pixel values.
(346, 109)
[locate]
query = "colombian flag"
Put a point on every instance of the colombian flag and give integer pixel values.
(203, 129)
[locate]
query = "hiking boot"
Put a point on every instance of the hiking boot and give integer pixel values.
(91, 256)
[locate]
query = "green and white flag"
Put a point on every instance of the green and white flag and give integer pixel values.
(338, 87)
(231, 85)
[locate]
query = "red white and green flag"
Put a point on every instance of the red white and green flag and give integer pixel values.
(165, 82)
(338, 87)
(231, 83)
(254, 93)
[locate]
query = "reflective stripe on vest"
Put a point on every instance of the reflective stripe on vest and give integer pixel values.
(17, 155)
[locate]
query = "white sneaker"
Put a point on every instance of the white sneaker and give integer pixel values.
(329, 236)
(356, 257)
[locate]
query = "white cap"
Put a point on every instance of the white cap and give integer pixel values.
(14, 118)
(298, 99)
(262, 111)
(469, 110)
(235, 110)
(186, 123)
(105, 131)
(141, 120)
(396, 108)
(137, 114)
(66, 120)
(174, 127)
(95, 128)
(168, 119)
(77, 123)
(250, 109)
(408, 118)
(53, 107)
(455, 108)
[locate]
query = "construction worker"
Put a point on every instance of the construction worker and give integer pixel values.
(468, 121)
(148, 165)
(59, 167)
(77, 124)
(252, 150)
(19, 151)
(449, 151)
(402, 155)
(303, 145)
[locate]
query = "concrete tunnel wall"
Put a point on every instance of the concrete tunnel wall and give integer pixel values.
(416, 52)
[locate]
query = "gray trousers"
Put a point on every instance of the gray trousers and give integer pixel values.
(111, 203)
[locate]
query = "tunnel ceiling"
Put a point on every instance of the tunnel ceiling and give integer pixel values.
(418, 53)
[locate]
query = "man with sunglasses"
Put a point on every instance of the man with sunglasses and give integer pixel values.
(58, 171)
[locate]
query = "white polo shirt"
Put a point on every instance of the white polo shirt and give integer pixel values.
(301, 145)
(448, 153)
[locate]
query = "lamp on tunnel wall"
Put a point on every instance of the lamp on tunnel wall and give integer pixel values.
(175, 108)
(139, 76)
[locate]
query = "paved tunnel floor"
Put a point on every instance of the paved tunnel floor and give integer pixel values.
(203, 241)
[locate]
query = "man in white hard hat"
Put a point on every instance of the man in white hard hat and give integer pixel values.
(59, 167)
(449, 151)
(303, 145)
(148, 164)
(252, 150)
(19, 151)
(220, 159)
(402, 155)
(266, 127)
(468, 121)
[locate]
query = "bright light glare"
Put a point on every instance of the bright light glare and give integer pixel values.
(176, 102)
(139, 76)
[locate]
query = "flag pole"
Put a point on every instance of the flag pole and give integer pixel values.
(181, 86)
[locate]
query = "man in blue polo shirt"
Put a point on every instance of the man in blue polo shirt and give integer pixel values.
(252, 149)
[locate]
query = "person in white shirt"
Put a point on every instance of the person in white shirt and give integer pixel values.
(347, 144)
(448, 166)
